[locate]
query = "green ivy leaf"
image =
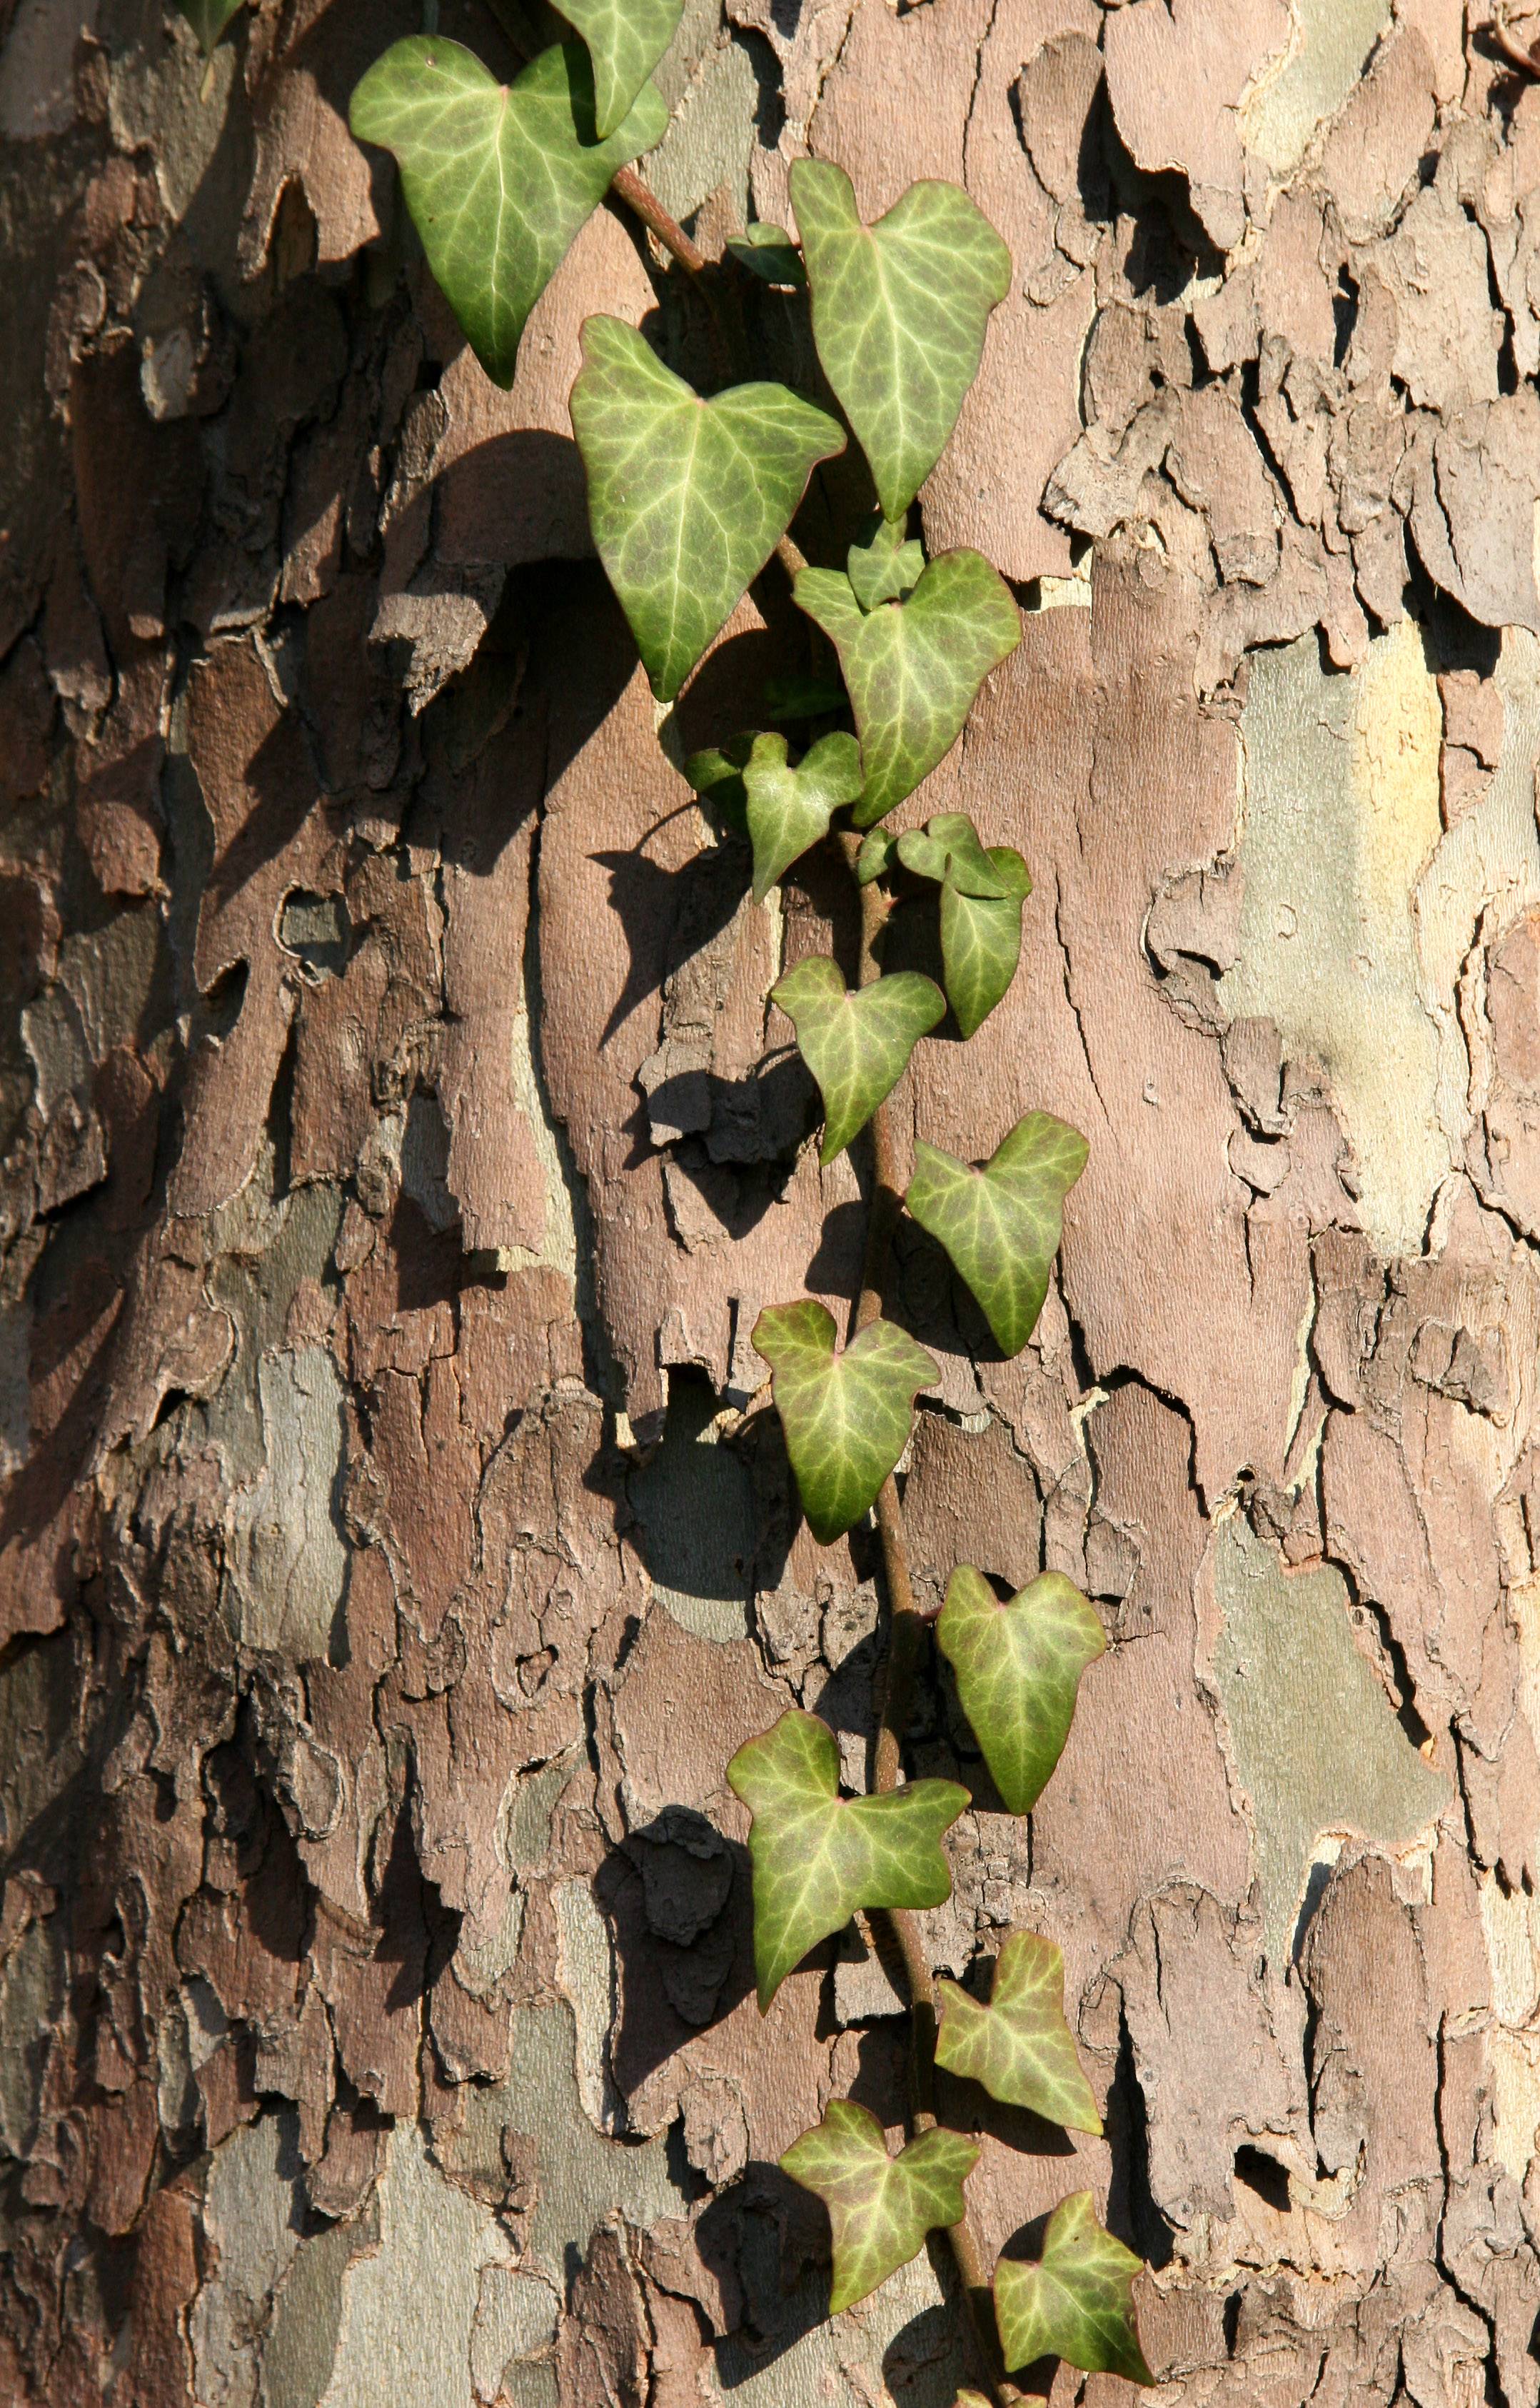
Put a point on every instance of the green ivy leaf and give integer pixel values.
(981, 897)
(1002, 1224)
(899, 314)
(855, 1041)
(1020, 2046)
(846, 1416)
(913, 667)
(877, 855)
(884, 566)
(687, 498)
(788, 810)
(817, 1857)
(498, 177)
(1019, 1669)
(625, 40)
(769, 253)
(880, 2208)
(210, 18)
(717, 775)
(1076, 2302)
(801, 697)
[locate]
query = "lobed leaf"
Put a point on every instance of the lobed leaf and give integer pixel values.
(1019, 1669)
(210, 18)
(817, 1857)
(885, 565)
(912, 668)
(498, 177)
(846, 1416)
(900, 311)
(1019, 2046)
(880, 2208)
(789, 808)
(717, 775)
(981, 897)
(769, 253)
(687, 498)
(625, 40)
(1076, 2302)
(856, 1040)
(1002, 1224)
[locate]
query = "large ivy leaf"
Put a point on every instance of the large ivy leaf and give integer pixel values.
(880, 2208)
(912, 668)
(845, 1415)
(625, 40)
(687, 498)
(498, 177)
(789, 808)
(856, 1040)
(1019, 1669)
(817, 1857)
(899, 314)
(981, 897)
(210, 18)
(1076, 2302)
(1020, 2046)
(1002, 1224)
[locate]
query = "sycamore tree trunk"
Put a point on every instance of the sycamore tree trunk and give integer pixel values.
(397, 1148)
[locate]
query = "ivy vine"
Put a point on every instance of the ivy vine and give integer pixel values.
(689, 495)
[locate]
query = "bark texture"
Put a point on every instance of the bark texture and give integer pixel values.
(397, 1147)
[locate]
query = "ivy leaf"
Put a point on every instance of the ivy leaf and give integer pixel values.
(981, 897)
(884, 566)
(769, 253)
(877, 855)
(1019, 1669)
(717, 775)
(210, 18)
(845, 1415)
(880, 2208)
(788, 810)
(899, 314)
(801, 697)
(913, 667)
(498, 177)
(687, 498)
(855, 1041)
(1076, 2302)
(1020, 2046)
(625, 40)
(1002, 1224)
(817, 1857)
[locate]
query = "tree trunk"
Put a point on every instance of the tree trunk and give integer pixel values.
(398, 1147)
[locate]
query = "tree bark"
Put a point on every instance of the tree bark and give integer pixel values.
(398, 1146)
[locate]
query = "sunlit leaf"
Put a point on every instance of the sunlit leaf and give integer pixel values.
(1019, 1669)
(498, 177)
(885, 565)
(981, 897)
(913, 667)
(1019, 2046)
(769, 253)
(880, 2208)
(817, 1857)
(846, 1416)
(210, 18)
(899, 314)
(855, 1041)
(877, 855)
(1002, 1224)
(687, 498)
(625, 40)
(789, 808)
(1076, 2302)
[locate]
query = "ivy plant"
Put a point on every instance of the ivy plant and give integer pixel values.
(691, 493)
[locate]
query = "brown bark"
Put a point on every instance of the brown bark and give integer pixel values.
(397, 1146)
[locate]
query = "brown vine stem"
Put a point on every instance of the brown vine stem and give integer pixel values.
(906, 1625)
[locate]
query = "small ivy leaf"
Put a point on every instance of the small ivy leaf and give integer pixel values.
(855, 1041)
(981, 897)
(899, 314)
(1019, 1669)
(816, 1855)
(717, 775)
(1002, 1224)
(788, 810)
(625, 40)
(1020, 2046)
(1076, 2302)
(913, 667)
(880, 2208)
(884, 566)
(847, 1417)
(210, 18)
(687, 498)
(769, 253)
(879, 851)
(790, 698)
(971, 2400)
(499, 178)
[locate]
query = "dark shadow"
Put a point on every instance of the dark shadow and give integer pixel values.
(430, 1266)
(668, 914)
(285, 781)
(928, 2360)
(768, 2240)
(744, 1125)
(1131, 2212)
(521, 496)
(834, 1267)
(1264, 2175)
(675, 1896)
(37, 1495)
(694, 1504)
